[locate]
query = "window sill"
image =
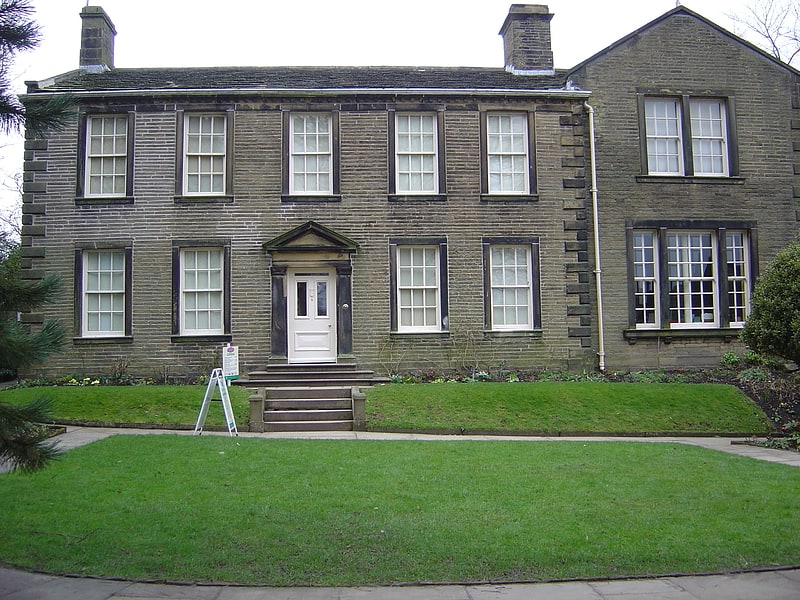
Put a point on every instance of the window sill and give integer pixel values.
(509, 198)
(204, 199)
(91, 341)
(311, 198)
(193, 339)
(727, 334)
(527, 333)
(103, 200)
(419, 334)
(417, 197)
(689, 179)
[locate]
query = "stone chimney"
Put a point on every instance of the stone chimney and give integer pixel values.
(526, 40)
(97, 40)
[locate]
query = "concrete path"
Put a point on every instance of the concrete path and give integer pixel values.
(780, 584)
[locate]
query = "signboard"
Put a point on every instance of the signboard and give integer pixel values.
(230, 362)
(217, 381)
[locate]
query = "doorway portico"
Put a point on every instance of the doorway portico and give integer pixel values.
(311, 284)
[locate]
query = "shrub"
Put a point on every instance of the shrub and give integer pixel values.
(773, 327)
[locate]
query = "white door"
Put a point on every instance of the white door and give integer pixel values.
(312, 317)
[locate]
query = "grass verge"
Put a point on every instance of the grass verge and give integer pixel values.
(146, 404)
(294, 512)
(558, 407)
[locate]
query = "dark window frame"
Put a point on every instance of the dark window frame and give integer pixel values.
(662, 227)
(441, 160)
(444, 315)
(177, 247)
(81, 196)
(532, 193)
(684, 99)
(180, 156)
(532, 242)
(80, 250)
(286, 168)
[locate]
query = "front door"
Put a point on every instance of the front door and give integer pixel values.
(311, 317)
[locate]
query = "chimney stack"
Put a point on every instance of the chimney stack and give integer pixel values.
(97, 40)
(526, 40)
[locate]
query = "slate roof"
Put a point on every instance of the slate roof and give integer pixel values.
(298, 78)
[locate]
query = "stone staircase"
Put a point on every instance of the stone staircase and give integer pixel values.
(319, 397)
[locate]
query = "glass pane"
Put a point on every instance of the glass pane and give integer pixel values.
(302, 299)
(322, 299)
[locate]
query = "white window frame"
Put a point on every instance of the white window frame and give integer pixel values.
(507, 153)
(106, 156)
(205, 154)
(691, 270)
(507, 288)
(189, 288)
(709, 137)
(693, 279)
(311, 146)
(418, 289)
(103, 293)
(737, 263)
(664, 136)
(686, 136)
(416, 153)
(646, 277)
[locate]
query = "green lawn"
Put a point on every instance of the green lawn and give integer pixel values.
(303, 512)
(564, 407)
(145, 404)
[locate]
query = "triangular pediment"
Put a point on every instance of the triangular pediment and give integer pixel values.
(310, 237)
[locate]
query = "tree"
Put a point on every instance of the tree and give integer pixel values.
(773, 327)
(22, 442)
(775, 26)
(18, 32)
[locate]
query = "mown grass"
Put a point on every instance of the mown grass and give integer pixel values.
(313, 512)
(562, 407)
(142, 404)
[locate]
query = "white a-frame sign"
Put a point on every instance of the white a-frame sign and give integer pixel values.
(217, 380)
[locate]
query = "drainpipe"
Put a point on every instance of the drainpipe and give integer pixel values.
(598, 273)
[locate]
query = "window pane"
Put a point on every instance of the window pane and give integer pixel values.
(708, 137)
(511, 288)
(202, 280)
(104, 293)
(204, 160)
(662, 128)
(418, 288)
(106, 155)
(692, 279)
(737, 264)
(310, 152)
(507, 159)
(416, 163)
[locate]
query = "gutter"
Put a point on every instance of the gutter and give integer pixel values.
(308, 92)
(598, 273)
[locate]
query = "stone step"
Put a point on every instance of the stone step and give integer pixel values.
(308, 404)
(272, 416)
(289, 426)
(274, 383)
(308, 392)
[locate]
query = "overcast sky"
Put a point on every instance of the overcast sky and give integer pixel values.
(184, 33)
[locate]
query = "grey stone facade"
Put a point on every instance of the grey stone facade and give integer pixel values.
(683, 55)
(152, 220)
(266, 232)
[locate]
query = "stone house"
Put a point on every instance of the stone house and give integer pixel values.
(697, 137)
(413, 218)
(394, 218)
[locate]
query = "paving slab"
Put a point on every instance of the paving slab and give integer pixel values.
(774, 585)
(535, 591)
(68, 588)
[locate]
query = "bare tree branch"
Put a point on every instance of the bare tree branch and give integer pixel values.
(774, 25)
